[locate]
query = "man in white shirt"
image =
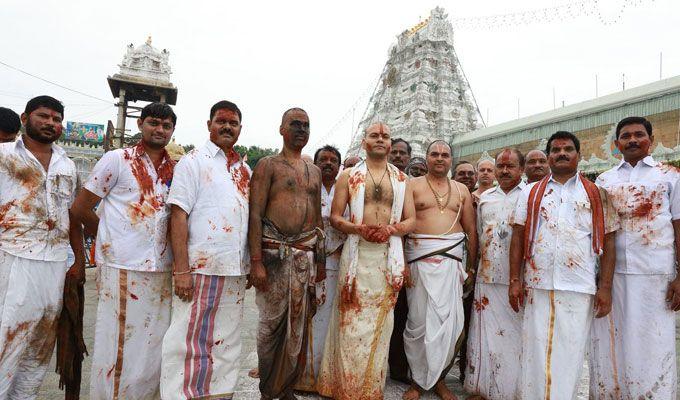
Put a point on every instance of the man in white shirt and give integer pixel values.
(134, 259)
(633, 349)
(494, 344)
(209, 231)
(327, 158)
(37, 186)
(562, 228)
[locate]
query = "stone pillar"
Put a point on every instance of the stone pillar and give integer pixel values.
(119, 132)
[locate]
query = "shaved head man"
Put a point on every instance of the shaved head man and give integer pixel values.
(536, 166)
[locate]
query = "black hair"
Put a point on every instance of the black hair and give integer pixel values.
(9, 121)
(634, 120)
(330, 148)
(400, 140)
(436, 141)
(44, 101)
(158, 110)
(563, 135)
(226, 105)
(520, 156)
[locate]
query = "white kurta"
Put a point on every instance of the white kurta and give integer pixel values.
(132, 316)
(560, 276)
(494, 345)
(202, 346)
(435, 304)
(633, 349)
(34, 226)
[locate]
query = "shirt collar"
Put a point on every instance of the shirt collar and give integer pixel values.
(570, 181)
(649, 160)
(497, 189)
(139, 152)
(212, 148)
(56, 149)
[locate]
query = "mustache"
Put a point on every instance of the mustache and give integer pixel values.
(633, 146)
(562, 158)
(505, 176)
(225, 131)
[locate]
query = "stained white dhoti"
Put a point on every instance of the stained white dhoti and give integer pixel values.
(633, 348)
(202, 346)
(435, 304)
(132, 316)
(317, 336)
(31, 294)
(555, 336)
(494, 344)
(354, 361)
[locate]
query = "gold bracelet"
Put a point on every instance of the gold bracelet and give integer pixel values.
(181, 273)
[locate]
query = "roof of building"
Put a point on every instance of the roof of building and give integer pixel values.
(649, 99)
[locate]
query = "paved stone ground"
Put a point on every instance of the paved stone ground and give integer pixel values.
(247, 389)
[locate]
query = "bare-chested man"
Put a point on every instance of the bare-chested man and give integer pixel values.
(285, 225)
(371, 271)
(444, 217)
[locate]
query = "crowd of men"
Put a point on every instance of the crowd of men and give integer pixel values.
(377, 267)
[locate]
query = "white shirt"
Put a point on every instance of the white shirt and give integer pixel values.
(646, 198)
(133, 213)
(563, 256)
(495, 231)
(334, 238)
(215, 195)
(34, 204)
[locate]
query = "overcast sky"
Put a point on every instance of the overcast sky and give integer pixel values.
(323, 56)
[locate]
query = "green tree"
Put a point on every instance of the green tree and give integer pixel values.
(254, 153)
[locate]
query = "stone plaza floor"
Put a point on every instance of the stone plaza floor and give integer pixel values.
(247, 387)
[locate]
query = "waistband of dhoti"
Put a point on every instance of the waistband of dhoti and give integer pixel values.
(445, 244)
(273, 239)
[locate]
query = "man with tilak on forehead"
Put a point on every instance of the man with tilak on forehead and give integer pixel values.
(371, 271)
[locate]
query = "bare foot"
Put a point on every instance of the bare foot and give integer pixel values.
(412, 393)
(443, 392)
(254, 373)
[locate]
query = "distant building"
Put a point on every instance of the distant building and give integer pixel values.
(594, 123)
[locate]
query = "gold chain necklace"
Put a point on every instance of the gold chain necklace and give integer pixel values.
(377, 193)
(440, 199)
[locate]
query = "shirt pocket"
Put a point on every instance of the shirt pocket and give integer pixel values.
(62, 186)
(583, 217)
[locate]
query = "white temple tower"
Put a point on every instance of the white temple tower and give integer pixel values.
(423, 94)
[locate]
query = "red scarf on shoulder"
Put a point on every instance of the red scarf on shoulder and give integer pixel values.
(534, 206)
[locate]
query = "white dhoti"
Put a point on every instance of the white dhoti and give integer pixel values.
(354, 363)
(633, 348)
(31, 295)
(202, 346)
(494, 344)
(317, 336)
(555, 336)
(132, 316)
(435, 317)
